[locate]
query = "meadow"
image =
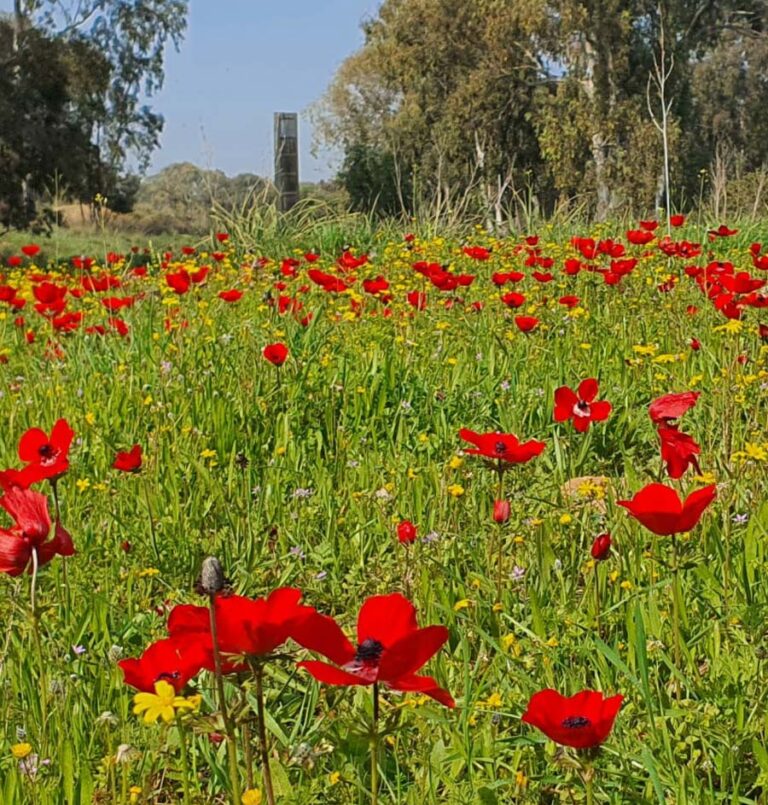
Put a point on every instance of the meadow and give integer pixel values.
(310, 412)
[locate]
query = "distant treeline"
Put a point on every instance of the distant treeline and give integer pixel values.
(498, 104)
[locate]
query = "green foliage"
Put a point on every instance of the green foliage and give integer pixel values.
(365, 415)
(72, 79)
(476, 98)
(370, 178)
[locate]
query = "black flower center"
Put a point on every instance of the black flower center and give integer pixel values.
(48, 454)
(369, 652)
(500, 447)
(581, 408)
(168, 675)
(576, 722)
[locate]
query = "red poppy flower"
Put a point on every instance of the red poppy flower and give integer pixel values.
(581, 406)
(676, 220)
(46, 457)
(231, 296)
(526, 324)
(417, 299)
(172, 660)
(245, 627)
(14, 261)
(222, 237)
(582, 721)
(130, 461)
(649, 226)
(569, 301)
(501, 446)
(390, 648)
(30, 531)
(678, 451)
(276, 353)
(477, 252)
(639, 237)
(406, 532)
(601, 547)
(672, 406)
(32, 250)
(722, 232)
(661, 511)
(179, 281)
(513, 299)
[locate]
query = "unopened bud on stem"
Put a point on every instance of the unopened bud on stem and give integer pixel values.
(211, 576)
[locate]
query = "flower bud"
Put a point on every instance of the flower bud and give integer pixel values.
(500, 511)
(406, 532)
(601, 547)
(211, 576)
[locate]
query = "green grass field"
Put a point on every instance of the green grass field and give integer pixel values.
(299, 476)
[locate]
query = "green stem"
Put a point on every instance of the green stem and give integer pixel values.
(184, 758)
(676, 612)
(245, 731)
(375, 746)
(597, 599)
(152, 534)
(589, 789)
(265, 770)
(229, 727)
(500, 564)
(39, 644)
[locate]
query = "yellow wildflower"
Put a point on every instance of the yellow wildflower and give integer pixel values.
(163, 703)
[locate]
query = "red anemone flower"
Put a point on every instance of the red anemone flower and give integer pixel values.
(390, 648)
(245, 627)
(722, 232)
(580, 406)
(661, 511)
(46, 457)
(501, 446)
(172, 660)
(501, 509)
(526, 324)
(406, 532)
(130, 461)
(276, 354)
(231, 296)
(676, 220)
(672, 406)
(582, 721)
(601, 547)
(31, 250)
(28, 537)
(678, 451)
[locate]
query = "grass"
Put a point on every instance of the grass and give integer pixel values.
(303, 481)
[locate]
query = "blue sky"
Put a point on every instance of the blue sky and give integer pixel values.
(241, 61)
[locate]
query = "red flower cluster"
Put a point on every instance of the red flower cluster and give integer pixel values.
(390, 649)
(678, 450)
(28, 541)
